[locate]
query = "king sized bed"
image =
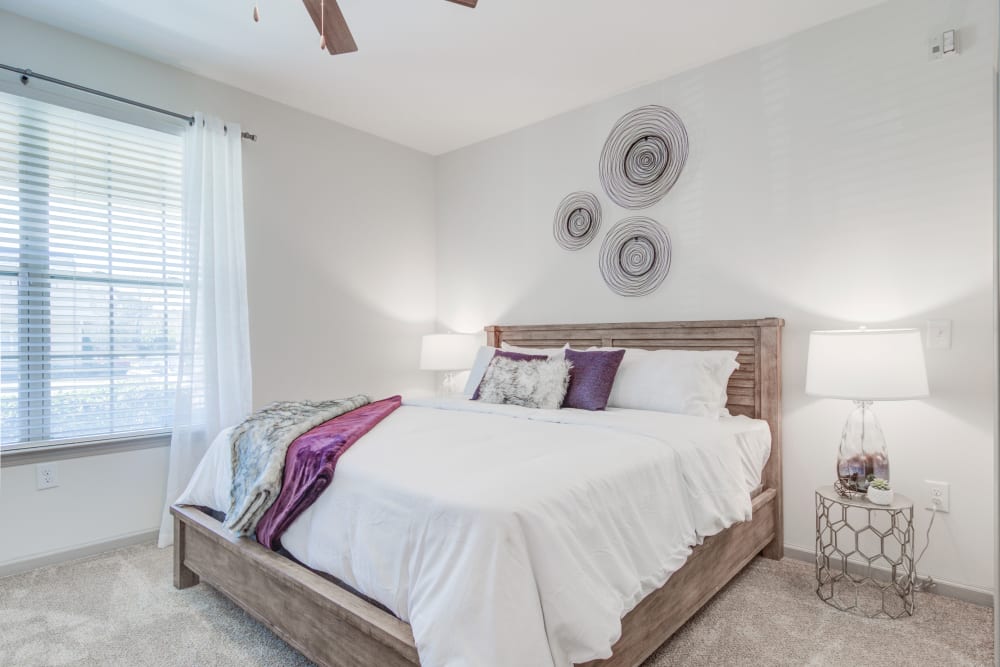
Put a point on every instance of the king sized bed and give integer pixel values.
(464, 533)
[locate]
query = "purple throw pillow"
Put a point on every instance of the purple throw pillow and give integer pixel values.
(591, 378)
(513, 356)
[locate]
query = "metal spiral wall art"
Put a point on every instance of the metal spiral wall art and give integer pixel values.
(577, 220)
(643, 156)
(635, 256)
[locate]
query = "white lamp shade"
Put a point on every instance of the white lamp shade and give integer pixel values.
(867, 365)
(449, 352)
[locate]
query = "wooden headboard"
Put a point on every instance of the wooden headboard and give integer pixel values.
(754, 390)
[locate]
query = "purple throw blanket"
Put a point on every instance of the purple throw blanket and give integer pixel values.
(310, 464)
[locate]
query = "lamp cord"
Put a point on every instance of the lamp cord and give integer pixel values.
(927, 583)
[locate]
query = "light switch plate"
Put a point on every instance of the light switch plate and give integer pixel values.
(938, 334)
(949, 43)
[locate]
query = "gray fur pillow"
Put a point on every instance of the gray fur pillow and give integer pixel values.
(540, 383)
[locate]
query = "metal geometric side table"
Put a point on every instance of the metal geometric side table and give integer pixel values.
(864, 554)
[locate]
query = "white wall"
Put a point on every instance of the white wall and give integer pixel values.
(99, 499)
(836, 177)
(340, 255)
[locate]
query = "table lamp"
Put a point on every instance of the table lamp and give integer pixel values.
(865, 365)
(449, 353)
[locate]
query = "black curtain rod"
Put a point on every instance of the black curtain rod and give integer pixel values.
(27, 75)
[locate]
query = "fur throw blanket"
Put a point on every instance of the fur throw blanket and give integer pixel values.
(259, 446)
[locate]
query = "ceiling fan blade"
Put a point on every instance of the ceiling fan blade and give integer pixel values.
(338, 35)
(465, 3)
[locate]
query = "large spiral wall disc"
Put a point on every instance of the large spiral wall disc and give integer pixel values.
(643, 156)
(577, 220)
(635, 256)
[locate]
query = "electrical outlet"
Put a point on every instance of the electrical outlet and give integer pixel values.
(938, 495)
(46, 475)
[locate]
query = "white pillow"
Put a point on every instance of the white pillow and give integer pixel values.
(483, 358)
(688, 382)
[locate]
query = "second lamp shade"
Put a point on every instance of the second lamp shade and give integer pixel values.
(866, 365)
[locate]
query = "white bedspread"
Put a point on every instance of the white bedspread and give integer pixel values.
(511, 536)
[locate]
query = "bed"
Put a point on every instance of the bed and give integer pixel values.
(333, 625)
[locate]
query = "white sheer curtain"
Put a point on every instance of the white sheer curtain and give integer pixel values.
(213, 376)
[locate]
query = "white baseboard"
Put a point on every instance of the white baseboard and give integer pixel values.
(34, 562)
(977, 596)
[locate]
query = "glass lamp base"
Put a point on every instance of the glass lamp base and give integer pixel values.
(862, 455)
(453, 383)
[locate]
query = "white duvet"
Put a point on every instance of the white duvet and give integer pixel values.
(511, 536)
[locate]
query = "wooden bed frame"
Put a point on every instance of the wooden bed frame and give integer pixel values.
(334, 626)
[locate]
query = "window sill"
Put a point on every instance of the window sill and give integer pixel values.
(75, 450)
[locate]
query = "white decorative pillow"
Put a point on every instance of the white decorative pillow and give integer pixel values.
(688, 382)
(540, 383)
(485, 355)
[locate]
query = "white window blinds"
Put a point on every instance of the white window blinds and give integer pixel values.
(91, 275)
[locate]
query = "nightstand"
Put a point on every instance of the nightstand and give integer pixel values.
(864, 554)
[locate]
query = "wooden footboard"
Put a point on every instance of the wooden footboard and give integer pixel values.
(328, 624)
(333, 627)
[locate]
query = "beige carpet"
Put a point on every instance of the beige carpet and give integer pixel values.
(119, 609)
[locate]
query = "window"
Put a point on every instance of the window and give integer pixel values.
(91, 275)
